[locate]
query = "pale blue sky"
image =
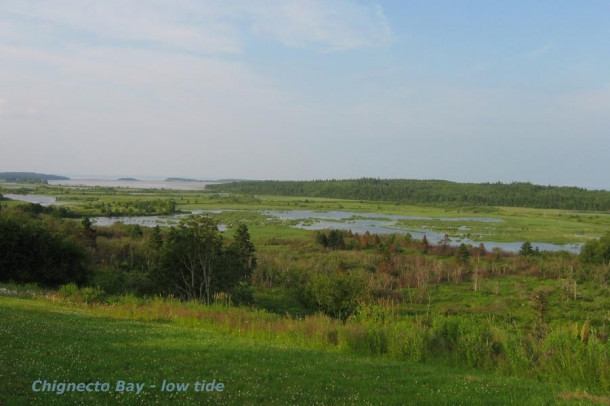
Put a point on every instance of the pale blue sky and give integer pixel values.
(460, 90)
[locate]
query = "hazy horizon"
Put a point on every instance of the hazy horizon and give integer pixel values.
(145, 178)
(308, 89)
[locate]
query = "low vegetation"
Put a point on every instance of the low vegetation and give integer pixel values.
(531, 317)
(73, 344)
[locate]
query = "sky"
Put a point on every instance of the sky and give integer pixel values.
(468, 91)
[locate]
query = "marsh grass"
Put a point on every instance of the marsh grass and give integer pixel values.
(518, 224)
(507, 344)
(87, 343)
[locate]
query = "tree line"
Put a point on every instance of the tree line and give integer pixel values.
(412, 191)
(28, 177)
(192, 260)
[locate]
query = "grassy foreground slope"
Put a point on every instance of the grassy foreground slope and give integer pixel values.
(44, 340)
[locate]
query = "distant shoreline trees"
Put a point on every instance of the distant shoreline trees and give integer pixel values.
(518, 194)
(29, 177)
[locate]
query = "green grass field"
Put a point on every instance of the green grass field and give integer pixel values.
(41, 340)
(516, 335)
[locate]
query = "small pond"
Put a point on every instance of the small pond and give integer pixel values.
(36, 199)
(375, 223)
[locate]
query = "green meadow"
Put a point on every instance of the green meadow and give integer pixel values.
(46, 340)
(365, 319)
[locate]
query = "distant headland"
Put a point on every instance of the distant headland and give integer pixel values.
(29, 177)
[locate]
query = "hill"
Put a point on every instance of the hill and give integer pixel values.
(28, 177)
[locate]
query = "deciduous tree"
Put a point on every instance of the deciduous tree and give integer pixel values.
(191, 257)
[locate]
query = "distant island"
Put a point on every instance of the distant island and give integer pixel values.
(29, 177)
(130, 179)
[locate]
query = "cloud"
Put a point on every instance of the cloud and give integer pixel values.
(543, 50)
(173, 112)
(206, 27)
(321, 25)
(124, 71)
(123, 23)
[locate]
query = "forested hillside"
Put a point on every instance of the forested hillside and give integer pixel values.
(28, 177)
(431, 192)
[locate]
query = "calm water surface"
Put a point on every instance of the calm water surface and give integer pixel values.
(36, 199)
(136, 184)
(376, 223)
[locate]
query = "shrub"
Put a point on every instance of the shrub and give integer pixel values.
(93, 295)
(596, 251)
(242, 294)
(69, 289)
(336, 294)
(366, 341)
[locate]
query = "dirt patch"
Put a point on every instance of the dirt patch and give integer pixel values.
(585, 396)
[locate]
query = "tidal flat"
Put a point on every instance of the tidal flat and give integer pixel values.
(503, 227)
